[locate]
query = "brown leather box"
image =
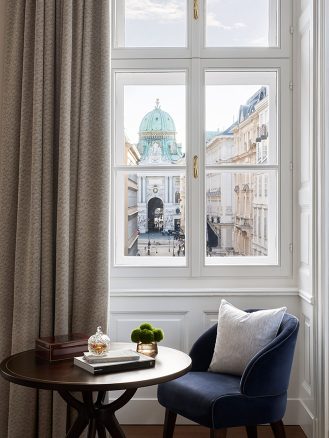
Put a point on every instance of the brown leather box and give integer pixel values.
(53, 348)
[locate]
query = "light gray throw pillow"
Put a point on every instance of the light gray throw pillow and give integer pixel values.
(241, 335)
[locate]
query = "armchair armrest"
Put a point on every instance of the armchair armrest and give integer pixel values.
(203, 350)
(268, 372)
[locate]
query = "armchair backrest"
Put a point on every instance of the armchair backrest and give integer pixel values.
(203, 349)
(268, 372)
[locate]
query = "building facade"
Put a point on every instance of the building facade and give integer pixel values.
(237, 202)
(154, 200)
(132, 157)
(159, 201)
(219, 195)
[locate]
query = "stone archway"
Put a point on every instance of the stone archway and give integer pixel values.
(155, 215)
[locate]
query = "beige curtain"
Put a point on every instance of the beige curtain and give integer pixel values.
(53, 190)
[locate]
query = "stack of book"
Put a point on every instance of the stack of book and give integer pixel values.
(114, 361)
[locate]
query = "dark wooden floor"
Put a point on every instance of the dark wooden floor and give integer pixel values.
(202, 432)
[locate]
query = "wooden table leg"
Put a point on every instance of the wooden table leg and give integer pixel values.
(83, 418)
(101, 430)
(68, 417)
(92, 428)
(97, 415)
(113, 426)
(78, 427)
(107, 414)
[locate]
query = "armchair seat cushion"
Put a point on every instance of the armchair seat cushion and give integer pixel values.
(213, 400)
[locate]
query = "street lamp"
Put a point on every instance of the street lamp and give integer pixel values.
(148, 247)
(148, 235)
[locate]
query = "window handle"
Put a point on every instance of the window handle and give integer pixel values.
(195, 166)
(196, 9)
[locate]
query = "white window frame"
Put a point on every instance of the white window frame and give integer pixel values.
(195, 61)
(196, 38)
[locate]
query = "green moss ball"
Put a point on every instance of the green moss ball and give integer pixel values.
(135, 335)
(146, 326)
(146, 336)
(158, 334)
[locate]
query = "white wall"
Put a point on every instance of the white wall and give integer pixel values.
(325, 216)
(304, 175)
(321, 105)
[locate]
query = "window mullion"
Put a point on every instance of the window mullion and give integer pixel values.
(196, 36)
(196, 118)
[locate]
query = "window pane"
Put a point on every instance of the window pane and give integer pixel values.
(241, 23)
(151, 23)
(152, 108)
(241, 118)
(151, 215)
(241, 212)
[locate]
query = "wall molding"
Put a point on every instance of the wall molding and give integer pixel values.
(206, 292)
(306, 386)
(321, 195)
(306, 419)
(306, 296)
(150, 312)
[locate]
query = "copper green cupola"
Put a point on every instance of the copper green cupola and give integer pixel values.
(157, 138)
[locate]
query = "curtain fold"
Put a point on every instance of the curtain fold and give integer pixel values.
(54, 184)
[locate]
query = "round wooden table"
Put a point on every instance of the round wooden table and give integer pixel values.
(28, 370)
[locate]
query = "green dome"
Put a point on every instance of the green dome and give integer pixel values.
(157, 121)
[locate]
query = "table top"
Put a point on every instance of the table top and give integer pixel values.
(28, 370)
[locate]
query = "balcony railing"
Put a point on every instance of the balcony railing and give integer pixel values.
(243, 223)
(262, 132)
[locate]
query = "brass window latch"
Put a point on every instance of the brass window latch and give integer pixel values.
(195, 166)
(196, 9)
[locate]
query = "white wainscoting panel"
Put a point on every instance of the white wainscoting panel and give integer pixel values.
(306, 333)
(307, 353)
(209, 319)
(173, 324)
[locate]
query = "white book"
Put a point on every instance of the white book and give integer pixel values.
(112, 356)
(111, 367)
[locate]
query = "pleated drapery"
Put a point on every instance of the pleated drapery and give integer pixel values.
(53, 190)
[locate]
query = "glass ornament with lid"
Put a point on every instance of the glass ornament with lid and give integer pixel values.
(99, 343)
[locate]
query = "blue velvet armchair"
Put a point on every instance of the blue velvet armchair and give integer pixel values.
(220, 401)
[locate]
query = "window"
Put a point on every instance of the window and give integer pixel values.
(156, 136)
(201, 137)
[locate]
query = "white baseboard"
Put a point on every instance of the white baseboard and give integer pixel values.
(299, 412)
(149, 411)
(145, 411)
